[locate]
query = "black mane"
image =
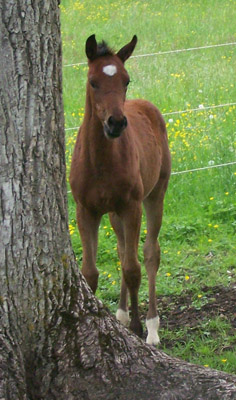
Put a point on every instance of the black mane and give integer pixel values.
(104, 50)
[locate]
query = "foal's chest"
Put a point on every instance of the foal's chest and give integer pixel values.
(105, 191)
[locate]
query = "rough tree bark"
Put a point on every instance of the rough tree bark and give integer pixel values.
(57, 341)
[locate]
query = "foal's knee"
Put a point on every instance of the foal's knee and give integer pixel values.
(132, 275)
(91, 278)
(152, 254)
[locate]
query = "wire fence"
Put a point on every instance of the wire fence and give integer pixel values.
(196, 169)
(160, 53)
(203, 168)
(199, 108)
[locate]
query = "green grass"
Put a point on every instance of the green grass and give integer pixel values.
(198, 233)
(206, 345)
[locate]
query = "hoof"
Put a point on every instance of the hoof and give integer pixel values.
(137, 328)
(123, 317)
(152, 327)
(153, 339)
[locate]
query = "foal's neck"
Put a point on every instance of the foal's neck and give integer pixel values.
(98, 146)
(93, 126)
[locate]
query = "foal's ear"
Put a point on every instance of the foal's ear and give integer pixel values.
(127, 50)
(91, 47)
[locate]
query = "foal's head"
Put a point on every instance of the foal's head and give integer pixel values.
(107, 84)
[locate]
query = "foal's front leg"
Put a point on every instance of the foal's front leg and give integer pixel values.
(122, 313)
(131, 218)
(88, 224)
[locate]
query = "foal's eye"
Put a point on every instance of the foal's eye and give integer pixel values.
(127, 83)
(94, 84)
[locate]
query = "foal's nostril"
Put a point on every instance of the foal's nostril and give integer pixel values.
(111, 121)
(114, 127)
(120, 124)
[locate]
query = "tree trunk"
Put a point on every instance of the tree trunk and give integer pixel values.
(57, 341)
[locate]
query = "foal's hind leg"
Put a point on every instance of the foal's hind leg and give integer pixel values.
(122, 313)
(154, 209)
(131, 221)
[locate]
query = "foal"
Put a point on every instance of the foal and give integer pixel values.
(121, 159)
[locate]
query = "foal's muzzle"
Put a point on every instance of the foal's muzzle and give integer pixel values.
(114, 127)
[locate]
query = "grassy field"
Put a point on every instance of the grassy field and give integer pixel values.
(198, 233)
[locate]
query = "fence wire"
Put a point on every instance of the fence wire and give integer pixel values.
(199, 108)
(160, 53)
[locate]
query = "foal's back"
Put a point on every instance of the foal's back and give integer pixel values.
(148, 131)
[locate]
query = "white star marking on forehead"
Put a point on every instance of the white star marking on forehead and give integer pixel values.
(110, 70)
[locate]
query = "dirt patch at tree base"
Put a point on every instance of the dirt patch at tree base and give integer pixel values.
(190, 310)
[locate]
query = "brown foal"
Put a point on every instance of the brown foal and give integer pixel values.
(121, 159)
